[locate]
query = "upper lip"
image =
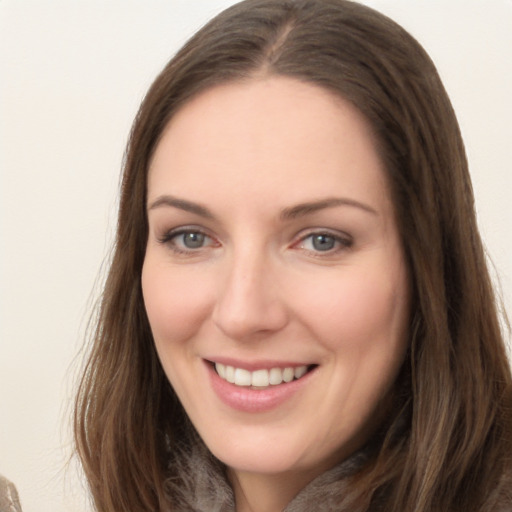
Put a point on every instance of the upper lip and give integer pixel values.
(262, 364)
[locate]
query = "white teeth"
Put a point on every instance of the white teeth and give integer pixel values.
(300, 371)
(288, 374)
(242, 377)
(221, 370)
(259, 378)
(230, 374)
(275, 376)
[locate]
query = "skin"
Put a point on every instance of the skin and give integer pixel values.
(257, 288)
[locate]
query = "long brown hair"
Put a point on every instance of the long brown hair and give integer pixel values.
(448, 441)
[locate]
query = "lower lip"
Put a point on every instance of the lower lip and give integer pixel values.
(255, 400)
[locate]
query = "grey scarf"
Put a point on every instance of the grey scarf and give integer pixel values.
(203, 485)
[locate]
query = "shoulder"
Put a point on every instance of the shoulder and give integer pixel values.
(9, 500)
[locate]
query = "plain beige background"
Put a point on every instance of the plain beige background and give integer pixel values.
(72, 74)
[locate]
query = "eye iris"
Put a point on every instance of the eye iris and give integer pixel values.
(193, 240)
(323, 242)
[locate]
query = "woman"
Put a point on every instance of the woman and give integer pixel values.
(298, 314)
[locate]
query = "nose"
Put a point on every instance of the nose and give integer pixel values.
(249, 303)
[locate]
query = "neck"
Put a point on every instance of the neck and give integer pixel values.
(266, 492)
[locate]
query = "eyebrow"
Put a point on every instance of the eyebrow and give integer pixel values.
(309, 208)
(181, 204)
(290, 213)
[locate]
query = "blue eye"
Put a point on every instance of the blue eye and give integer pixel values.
(324, 242)
(192, 239)
(186, 240)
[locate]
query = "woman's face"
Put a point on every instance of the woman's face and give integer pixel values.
(274, 278)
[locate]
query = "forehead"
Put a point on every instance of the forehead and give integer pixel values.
(268, 135)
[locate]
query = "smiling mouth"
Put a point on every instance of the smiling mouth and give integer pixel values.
(261, 379)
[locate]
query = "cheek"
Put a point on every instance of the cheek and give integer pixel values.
(175, 301)
(359, 311)
(361, 320)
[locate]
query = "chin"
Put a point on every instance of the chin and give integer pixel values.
(264, 455)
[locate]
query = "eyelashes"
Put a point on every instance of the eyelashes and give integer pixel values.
(324, 242)
(187, 240)
(192, 240)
